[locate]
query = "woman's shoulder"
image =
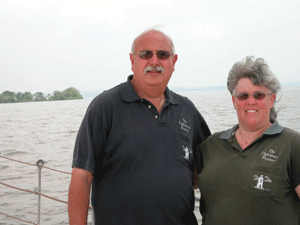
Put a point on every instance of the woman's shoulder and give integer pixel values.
(291, 131)
(291, 134)
(216, 136)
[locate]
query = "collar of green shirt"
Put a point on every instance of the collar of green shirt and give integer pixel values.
(275, 128)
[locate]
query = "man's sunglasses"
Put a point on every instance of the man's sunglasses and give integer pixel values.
(256, 95)
(147, 54)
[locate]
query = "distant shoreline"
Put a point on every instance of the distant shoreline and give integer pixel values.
(17, 97)
(87, 94)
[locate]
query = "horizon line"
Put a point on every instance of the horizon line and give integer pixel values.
(94, 93)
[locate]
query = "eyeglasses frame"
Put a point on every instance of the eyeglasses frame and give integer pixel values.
(153, 52)
(257, 92)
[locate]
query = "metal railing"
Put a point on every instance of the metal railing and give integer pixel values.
(40, 164)
(37, 191)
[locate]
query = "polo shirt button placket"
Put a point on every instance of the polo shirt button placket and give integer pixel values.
(241, 156)
(153, 111)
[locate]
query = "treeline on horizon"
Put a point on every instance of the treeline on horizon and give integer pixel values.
(13, 97)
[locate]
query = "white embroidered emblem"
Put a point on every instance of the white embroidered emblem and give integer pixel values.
(269, 156)
(184, 125)
(260, 182)
(187, 152)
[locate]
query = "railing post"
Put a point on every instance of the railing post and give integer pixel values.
(40, 164)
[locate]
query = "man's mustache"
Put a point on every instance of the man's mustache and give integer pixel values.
(154, 69)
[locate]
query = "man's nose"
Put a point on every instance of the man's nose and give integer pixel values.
(154, 59)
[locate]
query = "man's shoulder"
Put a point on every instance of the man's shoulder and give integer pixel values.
(106, 101)
(176, 95)
(107, 95)
(181, 99)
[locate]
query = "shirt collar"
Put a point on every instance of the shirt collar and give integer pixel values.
(275, 128)
(129, 95)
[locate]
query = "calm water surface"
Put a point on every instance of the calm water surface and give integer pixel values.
(47, 130)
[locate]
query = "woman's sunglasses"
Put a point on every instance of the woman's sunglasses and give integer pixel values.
(257, 95)
(147, 54)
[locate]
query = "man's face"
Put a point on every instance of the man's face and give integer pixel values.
(152, 41)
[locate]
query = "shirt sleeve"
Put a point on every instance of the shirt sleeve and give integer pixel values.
(89, 141)
(295, 157)
(202, 130)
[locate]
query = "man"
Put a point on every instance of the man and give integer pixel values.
(135, 146)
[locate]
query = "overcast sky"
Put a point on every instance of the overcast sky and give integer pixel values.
(48, 45)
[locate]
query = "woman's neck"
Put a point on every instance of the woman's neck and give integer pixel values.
(246, 136)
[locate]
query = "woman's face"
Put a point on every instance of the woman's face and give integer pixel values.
(253, 112)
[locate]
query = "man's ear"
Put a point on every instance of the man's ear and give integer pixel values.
(131, 60)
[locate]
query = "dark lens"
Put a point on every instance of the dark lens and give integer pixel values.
(259, 95)
(163, 54)
(146, 54)
(242, 96)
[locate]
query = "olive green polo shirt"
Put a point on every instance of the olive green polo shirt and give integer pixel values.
(252, 186)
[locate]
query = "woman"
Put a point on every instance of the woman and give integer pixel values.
(250, 174)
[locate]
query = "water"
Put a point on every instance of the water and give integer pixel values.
(47, 130)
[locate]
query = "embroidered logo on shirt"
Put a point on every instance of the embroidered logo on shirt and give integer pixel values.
(184, 125)
(260, 182)
(187, 152)
(269, 156)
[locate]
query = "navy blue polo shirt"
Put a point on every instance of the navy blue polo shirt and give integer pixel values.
(142, 161)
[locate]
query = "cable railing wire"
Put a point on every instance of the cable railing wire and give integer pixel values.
(17, 161)
(37, 192)
(40, 164)
(17, 218)
(34, 165)
(34, 192)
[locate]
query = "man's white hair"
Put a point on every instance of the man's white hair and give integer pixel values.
(156, 28)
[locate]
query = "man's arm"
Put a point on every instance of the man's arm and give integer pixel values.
(196, 179)
(79, 196)
(298, 190)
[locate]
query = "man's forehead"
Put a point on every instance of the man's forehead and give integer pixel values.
(153, 38)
